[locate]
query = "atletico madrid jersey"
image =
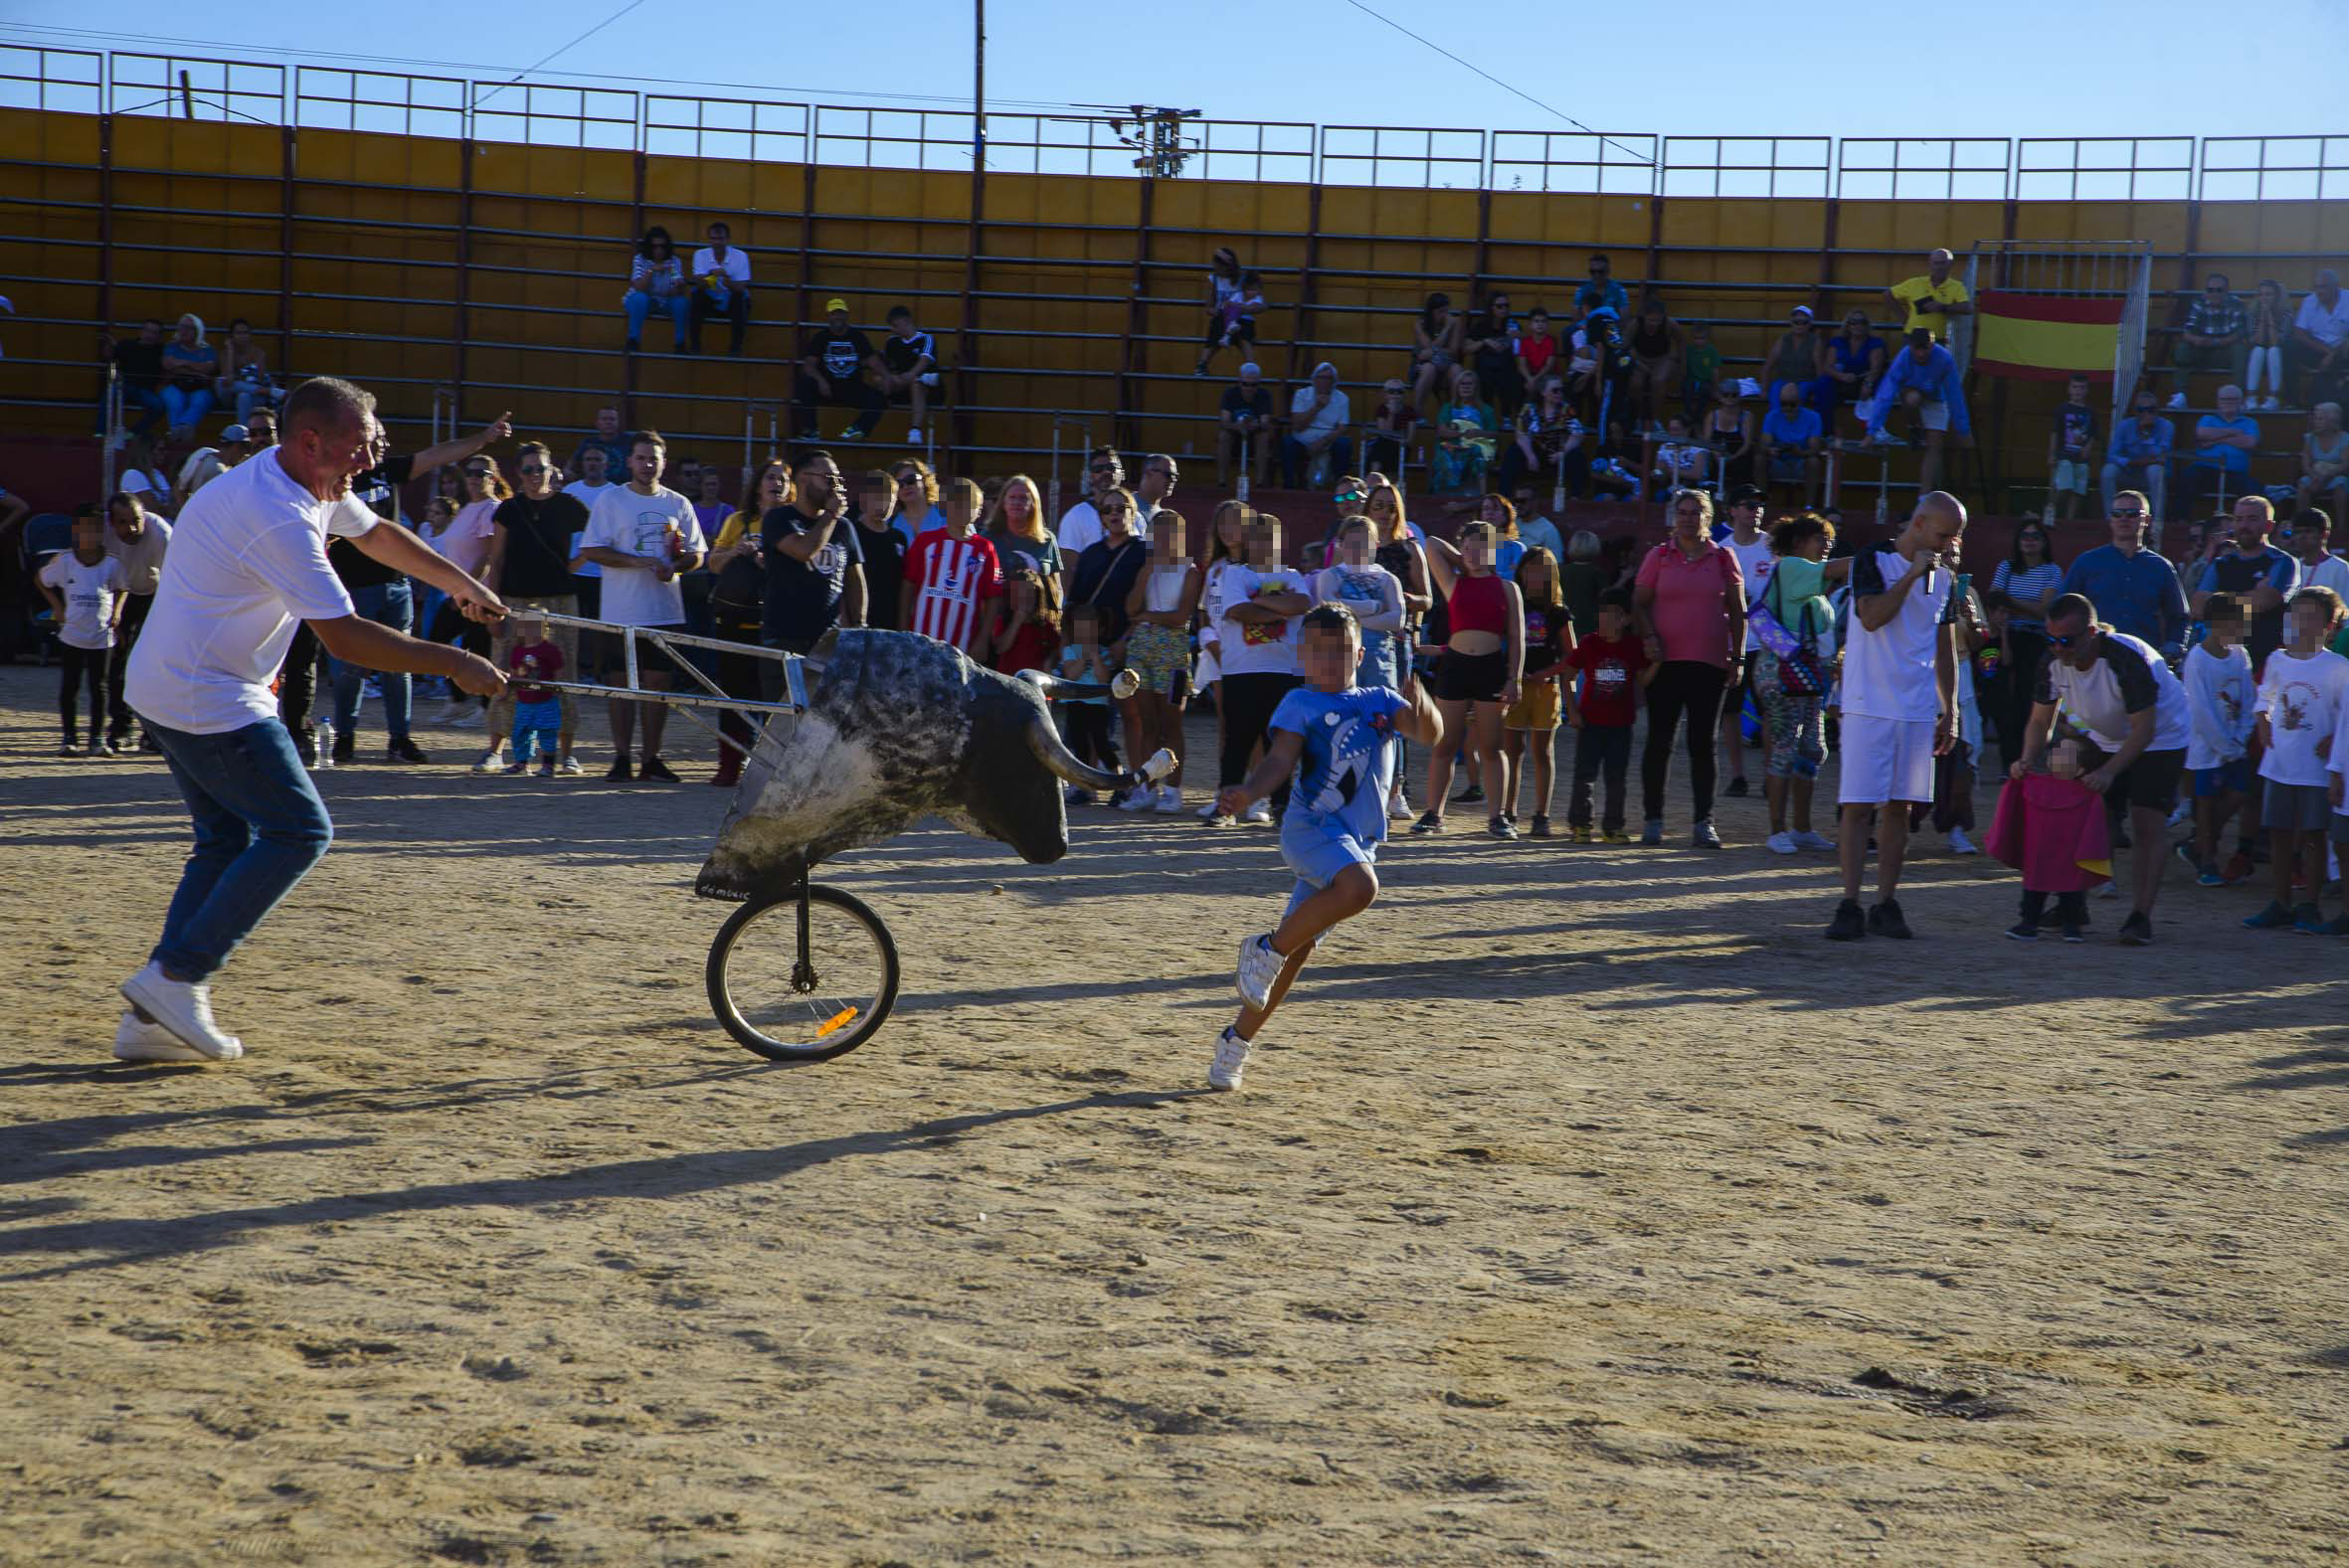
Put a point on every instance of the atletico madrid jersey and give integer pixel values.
(950, 577)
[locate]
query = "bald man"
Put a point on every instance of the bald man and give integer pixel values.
(1932, 297)
(1899, 702)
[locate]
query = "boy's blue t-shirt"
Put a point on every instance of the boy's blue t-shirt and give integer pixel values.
(1346, 767)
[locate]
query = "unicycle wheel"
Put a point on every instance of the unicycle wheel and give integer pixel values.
(795, 991)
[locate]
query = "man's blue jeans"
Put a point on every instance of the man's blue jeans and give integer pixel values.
(149, 400)
(392, 605)
(1297, 459)
(260, 827)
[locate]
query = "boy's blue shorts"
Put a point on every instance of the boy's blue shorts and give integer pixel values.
(1317, 855)
(2234, 775)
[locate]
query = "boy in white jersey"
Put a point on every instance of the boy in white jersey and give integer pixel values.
(2303, 704)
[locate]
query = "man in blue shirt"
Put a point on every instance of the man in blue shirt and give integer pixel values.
(2134, 590)
(1922, 377)
(2139, 457)
(2225, 441)
(2261, 576)
(1792, 435)
(1602, 292)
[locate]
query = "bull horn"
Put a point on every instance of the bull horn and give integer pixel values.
(1045, 742)
(1122, 685)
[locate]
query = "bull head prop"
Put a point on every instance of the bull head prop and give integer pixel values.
(901, 727)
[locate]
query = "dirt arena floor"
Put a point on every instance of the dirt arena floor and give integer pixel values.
(1584, 1206)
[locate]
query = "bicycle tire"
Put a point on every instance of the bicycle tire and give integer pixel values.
(794, 1026)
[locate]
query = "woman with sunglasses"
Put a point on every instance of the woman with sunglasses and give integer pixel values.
(1727, 431)
(657, 281)
(1850, 369)
(529, 567)
(2025, 583)
(1435, 348)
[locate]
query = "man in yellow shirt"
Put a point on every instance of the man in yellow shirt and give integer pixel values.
(1932, 297)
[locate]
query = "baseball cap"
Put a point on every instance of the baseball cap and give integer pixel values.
(235, 433)
(1747, 495)
(830, 306)
(1804, 311)
(1251, 368)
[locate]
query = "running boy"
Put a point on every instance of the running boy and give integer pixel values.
(2303, 694)
(84, 588)
(1338, 740)
(2218, 693)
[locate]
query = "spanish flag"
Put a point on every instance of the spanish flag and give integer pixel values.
(2046, 337)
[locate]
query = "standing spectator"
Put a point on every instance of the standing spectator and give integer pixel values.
(1689, 606)
(138, 371)
(2270, 329)
(1602, 706)
(2072, 450)
(1318, 417)
(721, 288)
(1757, 558)
(1851, 364)
(1159, 475)
(2025, 583)
(189, 366)
(1400, 547)
(1924, 378)
(2310, 532)
(2324, 459)
(1085, 721)
(1234, 297)
(909, 369)
(1244, 425)
(245, 382)
(1436, 339)
(538, 713)
(1160, 607)
(643, 534)
(1479, 675)
(1602, 292)
(1081, 525)
(917, 509)
(1027, 633)
(884, 549)
(594, 480)
(1728, 432)
(2139, 459)
(1795, 358)
(1793, 699)
(1535, 530)
(2223, 443)
(1256, 648)
(531, 536)
(1101, 574)
(1582, 581)
(834, 366)
(2217, 336)
(1655, 344)
(1793, 443)
(1227, 548)
(709, 504)
(2317, 352)
(1928, 300)
(84, 588)
(1492, 339)
(2259, 577)
(1374, 596)
(137, 539)
(1899, 700)
(952, 577)
(1017, 528)
(2220, 714)
(2303, 705)
(657, 281)
(466, 541)
(206, 463)
(738, 591)
(2133, 589)
(610, 440)
(1530, 726)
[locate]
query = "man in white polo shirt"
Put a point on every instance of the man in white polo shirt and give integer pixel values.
(1900, 701)
(248, 562)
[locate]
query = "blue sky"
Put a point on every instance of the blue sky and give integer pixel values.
(2016, 68)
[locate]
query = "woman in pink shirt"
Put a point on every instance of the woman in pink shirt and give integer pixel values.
(1690, 607)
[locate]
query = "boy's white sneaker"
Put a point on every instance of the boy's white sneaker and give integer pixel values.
(1169, 803)
(1260, 969)
(1260, 812)
(1806, 839)
(1206, 812)
(136, 1040)
(1959, 844)
(490, 763)
(1780, 842)
(1231, 1061)
(183, 1009)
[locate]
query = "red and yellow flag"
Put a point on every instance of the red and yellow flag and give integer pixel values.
(2046, 337)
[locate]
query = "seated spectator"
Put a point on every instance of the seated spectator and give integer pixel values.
(1467, 436)
(1602, 292)
(1727, 431)
(1318, 418)
(2072, 450)
(1700, 374)
(1680, 463)
(1537, 347)
(909, 369)
(1928, 300)
(721, 288)
(2308, 536)
(2223, 443)
(2269, 328)
(607, 438)
(1244, 425)
(657, 281)
(206, 463)
(138, 371)
(1549, 449)
(1655, 358)
(1435, 354)
(1924, 378)
(2317, 353)
(2216, 336)
(838, 369)
(1234, 300)
(1492, 353)
(2324, 459)
(1795, 356)
(2139, 459)
(245, 374)
(190, 365)
(1851, 363)
(1793, 437)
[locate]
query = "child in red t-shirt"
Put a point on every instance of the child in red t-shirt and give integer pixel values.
(1602, 703)
(538, 712)
(1029, 634)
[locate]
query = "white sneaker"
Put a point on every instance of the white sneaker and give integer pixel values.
(1398, 808)
(1137, 798)
(490, 763)
(182, 1008)
(1207, 810)
(1780, 842)
(1231, 1060)
(1260, 967)
(1806, 839)
(1959, 844)
(2108, 890)
(1170, 802)
(1259, 814)
(2180, 813)
(136, 1040)
(2271, 404)
(2177, 400)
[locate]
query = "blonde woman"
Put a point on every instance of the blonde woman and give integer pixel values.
(1015, 527)
(190, 365)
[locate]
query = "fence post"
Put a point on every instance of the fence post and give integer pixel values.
(106, 223)
(628, 361)
(468, 151)
(1125, 425)
(286, 251)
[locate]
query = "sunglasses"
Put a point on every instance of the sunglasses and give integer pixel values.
(531, 467)
(2128, 511)
(477, 473)
(2065, 643)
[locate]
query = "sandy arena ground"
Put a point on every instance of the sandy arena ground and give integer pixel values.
(1584, 1206)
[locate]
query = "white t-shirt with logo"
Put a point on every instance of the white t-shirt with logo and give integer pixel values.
(248, 561)
(1259, 648)
(2304, 701)
(2126, 677)
(1756, 561)
(638, 525)
(90, 594)
(1888, 674)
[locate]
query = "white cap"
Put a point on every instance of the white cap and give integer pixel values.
(1251, 368)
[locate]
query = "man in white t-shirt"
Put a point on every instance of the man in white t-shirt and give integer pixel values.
(1900, 701)
(1318, 415)
(721, 278)
(1080, 526)
(248, 562)
(1747, 541)
(594, 480)
(643, 535)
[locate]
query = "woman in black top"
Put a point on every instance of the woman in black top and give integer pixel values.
(1106, 572)
(1655, 361)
